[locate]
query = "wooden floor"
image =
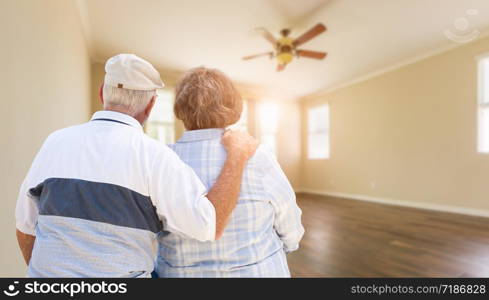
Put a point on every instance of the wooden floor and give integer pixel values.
(349, 238)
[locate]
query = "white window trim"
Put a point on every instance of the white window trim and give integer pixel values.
(170, 123)
(327, 132)
(481, 103)
(260, 121)
(481, 56)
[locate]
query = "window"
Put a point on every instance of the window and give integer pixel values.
(161, 122)
(242, 123)
(268, 113)
(483, 101)
(318, 132)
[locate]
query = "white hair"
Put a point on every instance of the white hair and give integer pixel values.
(134, 101)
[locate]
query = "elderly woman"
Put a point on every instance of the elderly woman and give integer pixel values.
(266, 223)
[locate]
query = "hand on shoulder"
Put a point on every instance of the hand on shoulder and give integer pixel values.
(239, 143)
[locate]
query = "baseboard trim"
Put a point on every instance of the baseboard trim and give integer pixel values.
(419, 205)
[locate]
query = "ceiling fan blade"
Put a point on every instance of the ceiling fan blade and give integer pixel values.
(258, 55)
(280, 67)
(311, 54)
(310, 34)
(268, 36)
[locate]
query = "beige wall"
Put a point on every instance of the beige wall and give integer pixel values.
(410, 132)
(97, 78)
(45, 83)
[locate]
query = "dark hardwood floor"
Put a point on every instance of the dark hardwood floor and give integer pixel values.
(349, 238)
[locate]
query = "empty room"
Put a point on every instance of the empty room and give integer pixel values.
(355, 138)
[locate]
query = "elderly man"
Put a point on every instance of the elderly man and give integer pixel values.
(98, 193)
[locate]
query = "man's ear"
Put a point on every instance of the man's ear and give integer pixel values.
(101, 94)
(149, 107)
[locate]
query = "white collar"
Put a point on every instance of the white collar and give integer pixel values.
(108, 115)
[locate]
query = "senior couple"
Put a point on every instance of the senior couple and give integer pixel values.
(102, 199)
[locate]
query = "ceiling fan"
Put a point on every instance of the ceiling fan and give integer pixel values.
(285, 48)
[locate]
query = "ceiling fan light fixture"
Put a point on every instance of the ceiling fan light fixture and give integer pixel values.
(285, 48)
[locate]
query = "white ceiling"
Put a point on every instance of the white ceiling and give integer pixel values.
(363, 35)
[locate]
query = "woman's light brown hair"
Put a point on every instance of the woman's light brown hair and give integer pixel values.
(206, 98)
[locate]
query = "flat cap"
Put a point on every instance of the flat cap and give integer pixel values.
(129, 71)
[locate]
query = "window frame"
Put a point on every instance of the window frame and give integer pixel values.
(326, 132)
(160, 123)
(273, 134)
(482, 103)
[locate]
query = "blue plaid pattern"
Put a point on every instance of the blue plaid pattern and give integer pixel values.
(265, 225)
